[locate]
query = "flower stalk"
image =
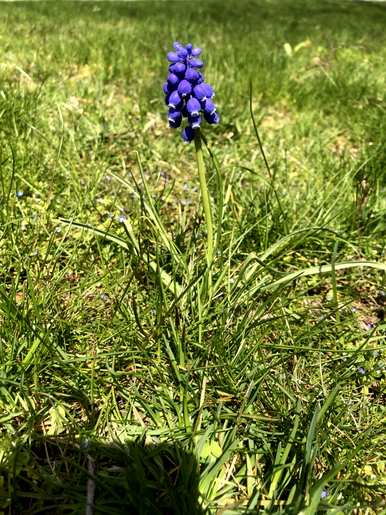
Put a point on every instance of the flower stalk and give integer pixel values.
(205, 196)
(190, 98)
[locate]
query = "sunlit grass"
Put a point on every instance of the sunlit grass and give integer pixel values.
(267, 395)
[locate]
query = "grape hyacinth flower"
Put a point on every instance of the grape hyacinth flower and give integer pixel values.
(187, 95)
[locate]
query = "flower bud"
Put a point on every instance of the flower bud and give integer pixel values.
(166, 88)
(177, 68)
(184, 88)
(192, 75)
(173, 57)
(174, 100)
(196, 52)
(196, 63)
(173, 80)
(209, 107)
(212, 118)
(175, 118)
(193, 107)
(188, 134)
(194, 121)
(207, 89)
(199, 92)
(182, 53)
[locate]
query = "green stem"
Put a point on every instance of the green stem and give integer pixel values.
(205, 197)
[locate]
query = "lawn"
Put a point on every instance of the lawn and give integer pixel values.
(135, 378)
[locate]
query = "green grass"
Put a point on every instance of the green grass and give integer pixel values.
(121, 369)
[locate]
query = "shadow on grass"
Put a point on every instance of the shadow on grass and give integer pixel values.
(56, 476)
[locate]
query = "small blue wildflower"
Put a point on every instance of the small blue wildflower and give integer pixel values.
(187, 95)
(19, 194)
(122, 219)
(324, 493)
(361, 370)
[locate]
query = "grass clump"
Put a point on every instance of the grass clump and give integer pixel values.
(126, 384)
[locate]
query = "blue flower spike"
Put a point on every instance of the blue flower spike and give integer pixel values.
(187, 95)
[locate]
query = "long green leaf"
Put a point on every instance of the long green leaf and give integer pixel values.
(98, 232)
(323, 269)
